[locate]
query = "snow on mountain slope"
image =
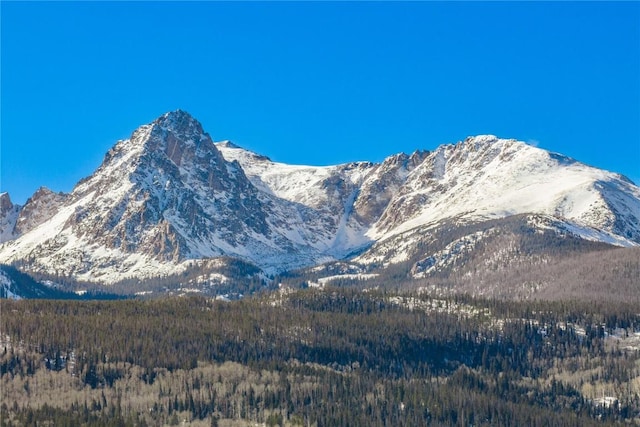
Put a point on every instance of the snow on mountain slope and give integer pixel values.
(485, 177)
(320, 193)
(169, 196)
(296, 183)
(166, 196)
(7, 287)
(159, 199)
(383, 183)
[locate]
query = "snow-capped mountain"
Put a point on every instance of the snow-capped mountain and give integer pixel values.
(485, 177)
(161, 198)
(168, 198)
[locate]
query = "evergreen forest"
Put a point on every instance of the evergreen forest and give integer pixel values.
(319, 357)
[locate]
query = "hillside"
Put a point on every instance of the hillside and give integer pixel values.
(319, 358)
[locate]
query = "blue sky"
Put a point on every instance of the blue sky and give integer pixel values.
(316, 82)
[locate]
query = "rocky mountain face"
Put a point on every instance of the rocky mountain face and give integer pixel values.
(163, 191)
(168, 199)
(8, 218)
(39, 208)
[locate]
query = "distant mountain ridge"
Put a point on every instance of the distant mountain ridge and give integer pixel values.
(168, 198)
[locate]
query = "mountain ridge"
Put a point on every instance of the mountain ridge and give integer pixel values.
(169, 196)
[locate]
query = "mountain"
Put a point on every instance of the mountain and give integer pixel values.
(487, 177)
(161, 199)
(169, 201)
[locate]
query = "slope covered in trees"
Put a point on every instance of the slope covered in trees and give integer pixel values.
(319, 357)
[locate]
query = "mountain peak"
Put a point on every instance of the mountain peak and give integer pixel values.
(227, 144)
(179, 121)
(176, 135)
(482, 139)
(5, 202)
(41, 192)
(176, 114)
(487, 142)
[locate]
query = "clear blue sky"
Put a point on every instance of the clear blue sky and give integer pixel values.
(316, 82)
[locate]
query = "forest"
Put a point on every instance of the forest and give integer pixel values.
(319, 357)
